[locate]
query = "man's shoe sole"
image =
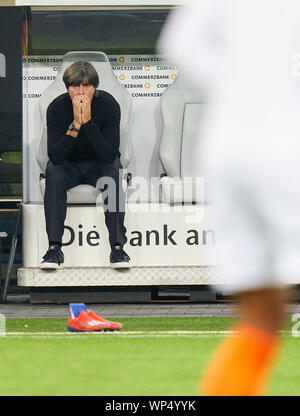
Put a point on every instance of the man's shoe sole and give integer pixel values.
(70, 329)
(50, 266)
(120, 265)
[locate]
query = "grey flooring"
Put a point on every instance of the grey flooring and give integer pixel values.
(19, 307)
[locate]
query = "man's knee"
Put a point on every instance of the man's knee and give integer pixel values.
(111, 178)
(55, 173)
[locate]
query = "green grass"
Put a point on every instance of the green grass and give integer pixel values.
(121, 365)
(129, 324)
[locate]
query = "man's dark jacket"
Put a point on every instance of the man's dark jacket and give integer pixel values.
(99, 138)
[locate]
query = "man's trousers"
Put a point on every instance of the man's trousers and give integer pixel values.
(60, 178)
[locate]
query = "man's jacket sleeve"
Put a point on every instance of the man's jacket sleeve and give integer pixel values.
(59, 144)
(106, 142)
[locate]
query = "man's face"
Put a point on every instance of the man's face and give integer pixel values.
(83, 89)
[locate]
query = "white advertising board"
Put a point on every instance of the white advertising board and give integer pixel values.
(158, 235)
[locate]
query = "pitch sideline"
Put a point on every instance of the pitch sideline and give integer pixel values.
(125, 334)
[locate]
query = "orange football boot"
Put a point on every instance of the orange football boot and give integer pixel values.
(85, 323)
(113, 326)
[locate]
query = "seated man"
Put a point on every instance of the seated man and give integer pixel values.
(83, 133)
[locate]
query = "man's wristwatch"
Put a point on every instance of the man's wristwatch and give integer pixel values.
(73, 128)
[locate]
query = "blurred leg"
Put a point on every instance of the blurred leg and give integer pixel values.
(264, 308)
(242, 363)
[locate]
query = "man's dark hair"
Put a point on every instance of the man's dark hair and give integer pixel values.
(79, 72)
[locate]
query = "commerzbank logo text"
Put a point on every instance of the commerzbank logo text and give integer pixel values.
(2, 66)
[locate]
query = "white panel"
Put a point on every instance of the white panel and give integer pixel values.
(25, 147)
(192, 124)
(30, 235)
(169, 244)
(136, 276)
(162, 264)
